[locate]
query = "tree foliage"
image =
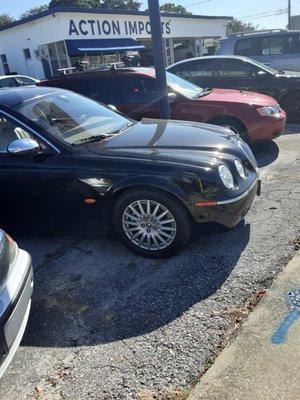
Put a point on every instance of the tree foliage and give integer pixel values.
(101, 4)
(34, 10)
(5, 19)
(237, 25)
(174, 9)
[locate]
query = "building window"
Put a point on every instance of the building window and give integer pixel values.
(5, 64)
(27, 54)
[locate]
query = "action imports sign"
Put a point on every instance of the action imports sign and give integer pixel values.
(97, 27)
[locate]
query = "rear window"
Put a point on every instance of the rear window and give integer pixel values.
(100, 89)
(248, 46)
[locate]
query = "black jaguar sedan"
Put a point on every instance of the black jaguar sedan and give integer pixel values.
(150, 179)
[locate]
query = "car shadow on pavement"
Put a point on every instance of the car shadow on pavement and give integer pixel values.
(95, 291)
(265, 152)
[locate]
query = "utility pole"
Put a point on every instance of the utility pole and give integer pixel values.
(159, 57)
(289, 14)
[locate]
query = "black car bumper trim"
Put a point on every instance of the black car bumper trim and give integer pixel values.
(235, 199)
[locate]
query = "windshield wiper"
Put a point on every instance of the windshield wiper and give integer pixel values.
(93, 138)
(205, 92)
(128, 125)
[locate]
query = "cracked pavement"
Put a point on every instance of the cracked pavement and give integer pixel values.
(107, 324)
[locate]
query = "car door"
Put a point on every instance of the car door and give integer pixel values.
(233, 73)
(282, 51)
(140, 98)
(26, 178)
(200, 72)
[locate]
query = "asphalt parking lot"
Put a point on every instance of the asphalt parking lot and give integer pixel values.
(106, 324)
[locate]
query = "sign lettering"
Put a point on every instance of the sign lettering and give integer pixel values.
(99, 27)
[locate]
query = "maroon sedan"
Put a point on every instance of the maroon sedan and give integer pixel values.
(133, 91)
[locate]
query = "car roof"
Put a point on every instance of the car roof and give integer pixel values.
(16, 76)
(104, 71)
(10, 97)
(267, 32)
(243, 58)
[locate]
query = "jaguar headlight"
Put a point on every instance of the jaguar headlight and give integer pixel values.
(240, 169)
(226, 176)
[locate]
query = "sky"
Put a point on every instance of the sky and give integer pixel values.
(267, 14)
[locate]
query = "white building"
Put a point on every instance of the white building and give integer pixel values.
(58, 38)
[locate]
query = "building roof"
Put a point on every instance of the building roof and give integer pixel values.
(104, 12)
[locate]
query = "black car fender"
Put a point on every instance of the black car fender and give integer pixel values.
(167, 185)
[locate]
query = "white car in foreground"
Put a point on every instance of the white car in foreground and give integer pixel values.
(16, 81)
(16, 286)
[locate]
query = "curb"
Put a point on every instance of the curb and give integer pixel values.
(263, 361)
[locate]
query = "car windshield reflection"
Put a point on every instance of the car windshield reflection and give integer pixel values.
(184, 87)
(72, 118)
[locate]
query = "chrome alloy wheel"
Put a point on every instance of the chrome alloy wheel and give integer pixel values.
(149, 225)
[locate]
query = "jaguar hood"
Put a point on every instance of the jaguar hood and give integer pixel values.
(178, 142)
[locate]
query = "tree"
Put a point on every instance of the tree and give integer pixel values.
(34, 10)
(102, 4)
(174, 9)
(5, 19)
(236, 25)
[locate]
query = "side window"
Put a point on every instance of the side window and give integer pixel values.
(100, 89)
(23, 81)
(7, 82)
(138, 89)
(248, 47)
(195, 69)
(282, 44)
(10, 131)
(236, 69)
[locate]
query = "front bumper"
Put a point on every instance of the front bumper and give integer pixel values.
(267, 129)
(229, 212)
(15, 300)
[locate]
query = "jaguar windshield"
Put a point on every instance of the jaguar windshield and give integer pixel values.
(71, 117)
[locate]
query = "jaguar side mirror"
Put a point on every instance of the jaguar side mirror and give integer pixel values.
(23, 146)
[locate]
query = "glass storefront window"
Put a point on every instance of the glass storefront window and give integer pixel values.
(184, 48)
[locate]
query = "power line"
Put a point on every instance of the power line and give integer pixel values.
(279, 12)
(198, 3)
(259, 8)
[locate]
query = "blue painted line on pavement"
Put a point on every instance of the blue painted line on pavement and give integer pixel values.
(280, 335)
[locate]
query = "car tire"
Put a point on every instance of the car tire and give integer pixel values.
(234, 125)
(145, 233)
(291, 105)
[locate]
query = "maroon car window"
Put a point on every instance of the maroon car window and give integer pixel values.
(102, 89)
(137, 89)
